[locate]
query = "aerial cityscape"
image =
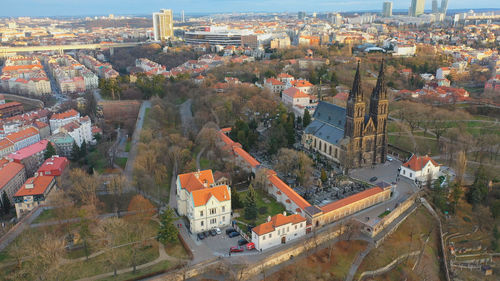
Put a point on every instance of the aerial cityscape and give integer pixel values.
(250, 140)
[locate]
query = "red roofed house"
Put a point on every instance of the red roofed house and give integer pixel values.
(206, 204)
(293, 96)
(274, 85)
(420, 169)
(24, 138)
(12, 177)
(278, 230)
(60, 119)
(31, 156)
(54, 166)
(11, 109)
(34, 192)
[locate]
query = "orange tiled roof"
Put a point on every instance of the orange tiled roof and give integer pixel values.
(289, 192)
(40, 184)
(295, 93)
(4, 143)
(246, 156)
(7, 172)
(274, 81)
(64, 115)
(417, 163)
(277, 221)
(195, 180)
(201, 196)
(301, 83)
(351, 199)
(10, 104)
(23, 134)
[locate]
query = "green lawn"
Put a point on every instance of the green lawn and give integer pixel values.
(159, 267)
(98, 161)
(205, 163)
(121, 161)
(46, 215)
(384, 214)
(147, 120)
(424, 146)
(263, 209)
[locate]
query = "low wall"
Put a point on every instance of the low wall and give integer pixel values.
(186, 246)
(388, 267)
(394, 214)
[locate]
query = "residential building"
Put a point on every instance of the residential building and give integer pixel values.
(163, 25)
(6, 147)
(420, 169)
(435, 7)
(24, 137)
(53, 166)
(31, 156)
(442, 73)
(33, 193)
(63, 143)
(206, 204)
(404, 50)
(278, 229)
(12, 177)
(60, 119)
(293, 97)
(274, 85)
(10, 109)
(80, 130)
(24, 75)
(387, 9)
(416, 8)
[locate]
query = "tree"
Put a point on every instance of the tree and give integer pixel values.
(250, 204)
(75, 153)
(307, 118)
(110, 232)
(461, 166)
(50, 151)
(235, 199)
(115, 188)
(83, 150)
(324, 177)
(167, 232)
(6, 205)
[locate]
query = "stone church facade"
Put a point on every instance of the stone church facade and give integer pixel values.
(352, 136)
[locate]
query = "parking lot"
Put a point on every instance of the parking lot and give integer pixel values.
(221, 243)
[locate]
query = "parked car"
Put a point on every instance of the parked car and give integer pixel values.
(213, 232)
(242, 242)
(236, 249)
(206, 233)
(217, 231)
(389, 158)
(373, 179)
(201, 236)
(229, 230)
(233, 234)
(250, 246)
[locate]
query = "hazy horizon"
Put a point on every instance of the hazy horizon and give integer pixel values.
(40, 8)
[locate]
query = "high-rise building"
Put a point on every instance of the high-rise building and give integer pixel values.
(435, 8)
(163, 25)
(416, 8)
(387, 9)
(302, 15)
(444, 6)
(182, 16)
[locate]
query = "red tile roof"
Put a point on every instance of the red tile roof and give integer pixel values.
(195, 180)
(10, 104)
(8, 171)
(418, 163)
(4, 143)
(287, 190)
(276, 221)
(295, 93)
(40, 184)
(23, 134)
(64, 115)
(351, 199)
(201, 196)
(246, 156)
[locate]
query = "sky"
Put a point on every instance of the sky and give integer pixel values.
(15, 8)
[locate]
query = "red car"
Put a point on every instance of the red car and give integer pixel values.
(250, 246)
(236, 249)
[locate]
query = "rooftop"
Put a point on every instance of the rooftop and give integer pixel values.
(277, 221)
(201, 196)
(29, 150)
(35, 186)
(8, 171)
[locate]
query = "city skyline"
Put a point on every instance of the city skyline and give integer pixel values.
(37, 8)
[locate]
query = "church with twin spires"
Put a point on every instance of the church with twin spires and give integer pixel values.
(352, 136)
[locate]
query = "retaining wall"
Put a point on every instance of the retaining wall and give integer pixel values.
(388, 267)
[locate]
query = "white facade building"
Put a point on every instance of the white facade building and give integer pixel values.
(279, 229)
(60, 119)
(420, 169)
(206, 204)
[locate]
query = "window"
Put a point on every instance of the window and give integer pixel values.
(223, 218)
(213, 211)
(295, 227)
(213, 221)
(223, 209)
(404, 172)
(287, 229)
(411, 175)
(264, 237)
(201, 223)
(201, 213)
(300, 224)
(270, 235)
(279, 231)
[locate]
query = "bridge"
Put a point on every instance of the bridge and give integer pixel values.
(7, 51)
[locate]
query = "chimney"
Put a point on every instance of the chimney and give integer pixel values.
(197, 174)
(29, 185)
(284, 213)
(268, 218)
(205, 183)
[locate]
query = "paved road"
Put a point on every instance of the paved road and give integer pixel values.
(357, 262)
(187, 117)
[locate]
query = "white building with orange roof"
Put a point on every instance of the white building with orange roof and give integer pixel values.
(295, 97)
(33, 193)
(285, 78)
(206, 204)
(420, 169)
(24, 138)
(278, 229)
(274, 85)
(303, 85)
(60, 119)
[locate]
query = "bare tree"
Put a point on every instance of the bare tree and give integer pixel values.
(461, 166)
(115, 188)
